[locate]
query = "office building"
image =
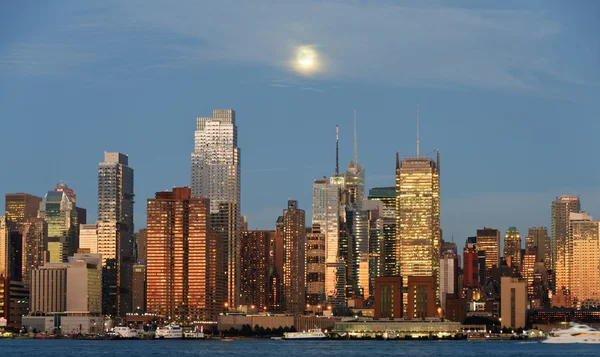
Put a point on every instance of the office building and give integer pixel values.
(11, 255)
(537, 237)
(259, 271)
(59, 211)
(512, 248)
(84, 285)
(14, 301)
(141, 238)
(448, 277)
(470, 264)
(387, 196)
(182, 262)
(21, 206)
(35, 246)
(376, 245)
(294, 239)
(138, 288)
(488, 241)
(584, 238)
(115, 231)
(315, 265)
(513, 302)
(388, 297)
(561, 253)
(418, 217)
(49, 289)
(215, 174)
(325, 214)
(358, 252)
(528, 269)
(88, 237)
(421, 297)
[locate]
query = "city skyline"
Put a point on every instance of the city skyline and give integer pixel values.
(528, 106)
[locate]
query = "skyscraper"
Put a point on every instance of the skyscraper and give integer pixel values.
(358, 252)
(512, 248)
(488, 241)
(418, 217)
(215, 174)
(584, 263)
(257, 262)
(35, 246)
(325, 214)
(315, 266)
(88, 237)
(537, 237)
(470, 264)
(294, 238)
(387, 195)
(448, 277)
(561, 250)
(60, 213)
(115, 231)
(182, 258)
(21, 206)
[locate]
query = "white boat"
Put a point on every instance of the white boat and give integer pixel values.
(312, 334)
(577, 333)
(169, 331)
(126, 332)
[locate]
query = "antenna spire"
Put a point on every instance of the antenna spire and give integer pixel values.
(355, 159)
(337, 151)
(417, 130)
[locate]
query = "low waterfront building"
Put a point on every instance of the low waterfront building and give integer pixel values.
(225, 322)
(359, 328)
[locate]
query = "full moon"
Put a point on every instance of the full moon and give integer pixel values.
(306, 60)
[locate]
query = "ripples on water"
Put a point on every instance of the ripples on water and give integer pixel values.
(47, 348)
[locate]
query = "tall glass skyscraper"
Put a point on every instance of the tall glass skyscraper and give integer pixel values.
(60, 213)
(215, 174)
(115, 231)
(561, 249)
(387, 196)
(418, 217)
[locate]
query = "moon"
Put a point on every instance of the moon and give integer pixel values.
(306, 60)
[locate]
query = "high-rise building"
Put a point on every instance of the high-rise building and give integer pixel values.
(215, 174)
(259, 272)
(561, 248)
(141, 238)
(584, 264)
(59, 211)
(470, 264)
(182, 263)
(49, 289)
(513, 293)
(115, 231)
(84, 285)
(138, 287)
(528, 269)
(376, 245)
(35, 246)
(358, 252)
(325, 213)
(387, 196)
(418, 217)
(21, 206)
(11, 255)
(315, 265)
(537, 237)
(448, 277)
(294, 238)
(354, 178)
(488, 241)
(88, 237)
(512, 248)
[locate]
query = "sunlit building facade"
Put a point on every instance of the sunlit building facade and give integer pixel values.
(182, 258)
(21, 206)
(512, 248)
(215, 174)
(418, 217)
(537, 237)
(584, 238)
(561, 247)
(315, 265)
(294, 239)
(59, 211)
(115, 231)
(88, 237)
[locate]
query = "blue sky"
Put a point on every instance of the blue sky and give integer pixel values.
(508, 93)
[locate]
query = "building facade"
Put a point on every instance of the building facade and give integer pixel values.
(21, 206)
(584, 274)
(215, 174)
(470, 264)
(88, 237)
(421, 297)
(388, 297)
(512, 248)
(561, 253)
(115, 231)
(537, 237)
(387, 196)
(315, 255)
(84, 285)
(35, 246)
(448, 277)
(488, 241)
(513, 302)
(294, 239)
(182, 268)
(49, 289)
(418, 217)
(259, 272)
(60, 213)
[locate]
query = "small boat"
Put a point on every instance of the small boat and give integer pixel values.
(577, 333)
(169, 331)
(312, 334)
(389, 335)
